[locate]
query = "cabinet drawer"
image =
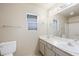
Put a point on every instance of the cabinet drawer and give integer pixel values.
(49, 46)
(49, 52)
(43, 42)
(60, 52)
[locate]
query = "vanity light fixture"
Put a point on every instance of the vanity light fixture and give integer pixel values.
(72, 13)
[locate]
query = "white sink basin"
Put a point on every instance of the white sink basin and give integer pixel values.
(70, 46)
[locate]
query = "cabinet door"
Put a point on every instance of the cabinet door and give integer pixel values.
(42, 41)
(60, 52)
(42, 48)
(49, 52)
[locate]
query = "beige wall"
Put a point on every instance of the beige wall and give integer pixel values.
(14, 15)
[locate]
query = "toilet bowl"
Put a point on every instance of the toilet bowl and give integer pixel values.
(7, 48)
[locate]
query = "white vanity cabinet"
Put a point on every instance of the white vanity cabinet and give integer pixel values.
(49, 52)
(48, 49)
(42, 46)
(60, 52)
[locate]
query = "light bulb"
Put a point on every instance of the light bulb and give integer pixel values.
(72, 13)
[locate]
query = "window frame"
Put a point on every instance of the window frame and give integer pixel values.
(32, 13)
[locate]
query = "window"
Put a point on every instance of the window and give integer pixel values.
(32, 22)
(55, 25)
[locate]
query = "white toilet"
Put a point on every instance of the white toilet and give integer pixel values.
(7, 48)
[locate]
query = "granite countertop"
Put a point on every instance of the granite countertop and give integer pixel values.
(68, 45)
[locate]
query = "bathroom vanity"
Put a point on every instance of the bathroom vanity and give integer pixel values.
(57, 46)
(63, 25)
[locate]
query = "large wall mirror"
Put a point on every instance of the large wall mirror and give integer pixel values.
(66, 22)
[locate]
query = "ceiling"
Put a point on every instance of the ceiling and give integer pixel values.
(74, 9)
(49, 6)
(46, 6)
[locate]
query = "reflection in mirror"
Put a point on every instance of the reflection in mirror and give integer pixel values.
(59, 24)
(65, 23)
(55, 26)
